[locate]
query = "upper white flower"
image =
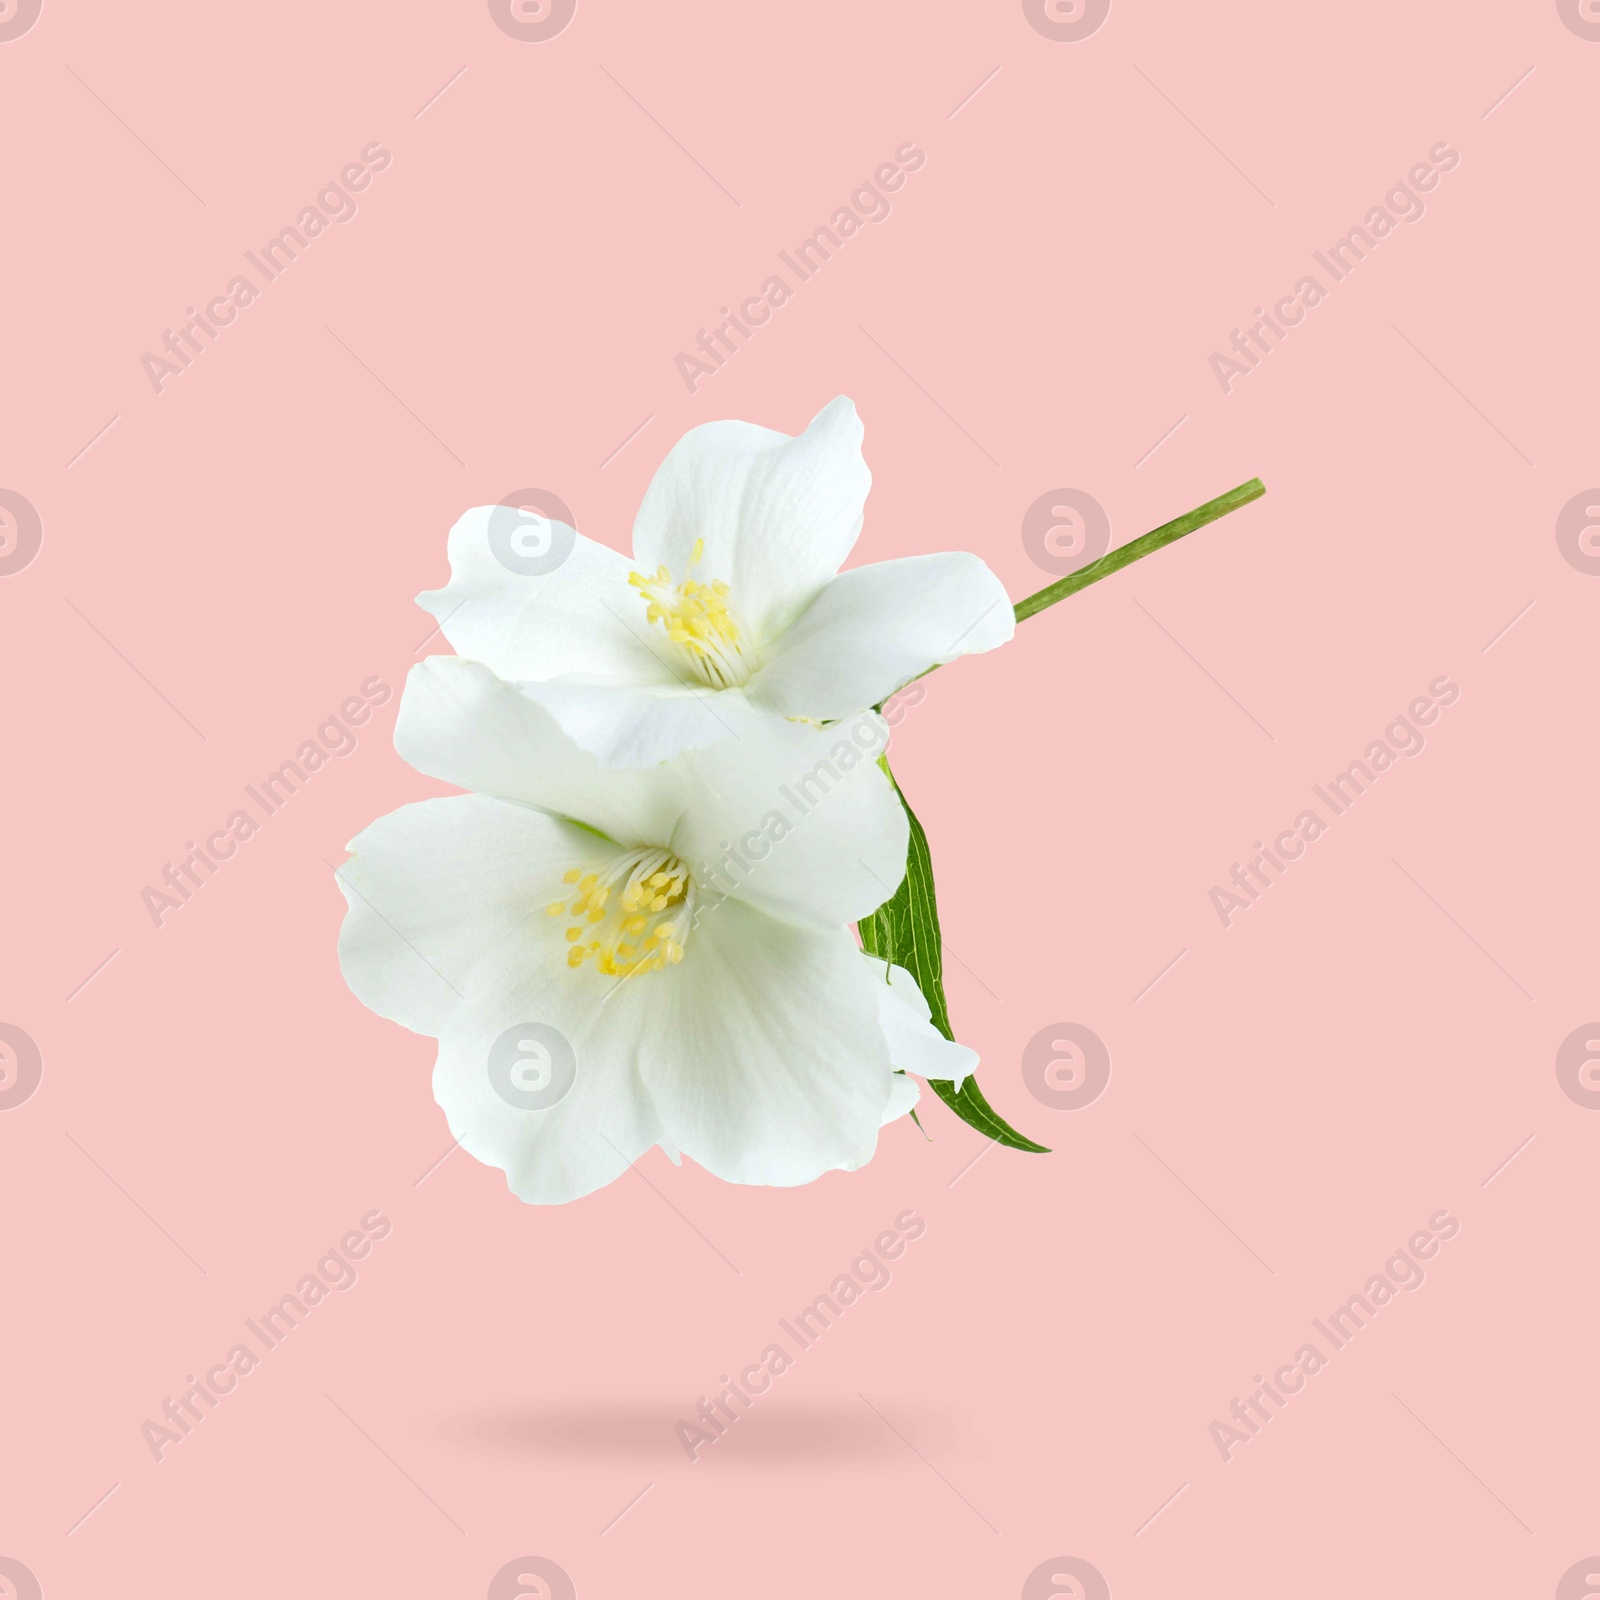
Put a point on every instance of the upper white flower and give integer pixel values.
(614, 960)
(733, 608)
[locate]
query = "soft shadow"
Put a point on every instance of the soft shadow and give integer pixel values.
(773, 1434)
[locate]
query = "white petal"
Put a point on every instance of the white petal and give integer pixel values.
(639, 726)
(778, 514)
(538, 1075)
(764, 1057)
(459, 722)
(875, 628)
(576, 639)
(566, 608)
(903, 1097)
(799, 822)
(433, 888)
(915, 1045)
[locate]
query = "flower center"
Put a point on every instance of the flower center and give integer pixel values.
(697, 619)
(632, 917)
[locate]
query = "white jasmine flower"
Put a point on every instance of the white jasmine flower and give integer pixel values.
(614, 960)
(733, 608)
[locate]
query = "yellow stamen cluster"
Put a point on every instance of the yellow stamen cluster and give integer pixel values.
(631, 917)
(697, 618)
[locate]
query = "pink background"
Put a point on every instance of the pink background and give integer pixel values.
(1291, 1100)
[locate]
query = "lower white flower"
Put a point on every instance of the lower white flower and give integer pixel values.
(615, 960)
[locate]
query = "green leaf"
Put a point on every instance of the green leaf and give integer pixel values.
(905, 930)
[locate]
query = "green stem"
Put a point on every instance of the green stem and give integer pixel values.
(1127, 554)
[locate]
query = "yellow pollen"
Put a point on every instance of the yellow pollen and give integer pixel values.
(696, 616)
(554, 909)
(648, 922)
